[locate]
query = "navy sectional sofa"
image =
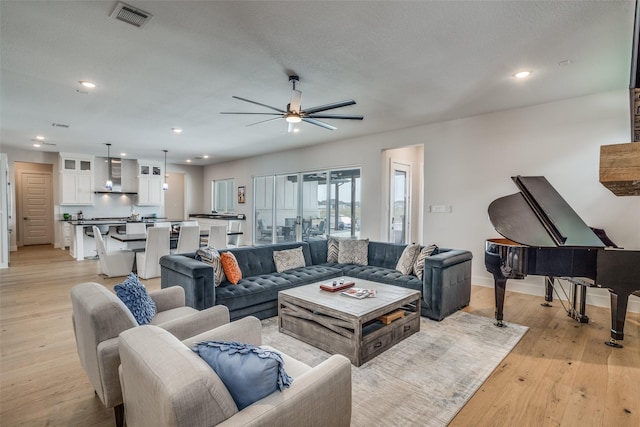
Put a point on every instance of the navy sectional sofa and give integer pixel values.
(446, 285)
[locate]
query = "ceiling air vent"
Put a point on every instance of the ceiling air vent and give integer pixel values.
(131, 15)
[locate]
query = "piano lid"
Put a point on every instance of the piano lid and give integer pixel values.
(539, 216)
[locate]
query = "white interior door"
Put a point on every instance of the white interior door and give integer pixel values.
(400, 203)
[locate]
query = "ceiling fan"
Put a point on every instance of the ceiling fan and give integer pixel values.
(294, 114)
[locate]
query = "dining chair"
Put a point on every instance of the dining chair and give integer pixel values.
(217, 236)
(233, 241)
(115, 263)
(157, 246)
(135, 228)
(188, 239)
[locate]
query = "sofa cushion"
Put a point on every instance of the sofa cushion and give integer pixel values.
(382, 275)
(250, 373)
(134, 295)
(288, 259)
(231, 268)
(418, 265)
(333, 249)
(353, 251)
(256, 290)
(407, 259)
(211, 256)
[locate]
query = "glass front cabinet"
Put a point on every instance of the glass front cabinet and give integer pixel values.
(150, 179)
(76, 179)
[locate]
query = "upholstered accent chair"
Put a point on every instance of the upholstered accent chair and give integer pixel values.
(114, 263)
(99, 316)
(164, 383)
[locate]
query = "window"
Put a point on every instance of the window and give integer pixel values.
(223, 197)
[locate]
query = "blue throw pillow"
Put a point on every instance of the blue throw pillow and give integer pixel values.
(250, 373)
(134, 295)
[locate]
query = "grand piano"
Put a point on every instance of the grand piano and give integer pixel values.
(544, 236)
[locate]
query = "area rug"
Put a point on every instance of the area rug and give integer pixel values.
(425, 379)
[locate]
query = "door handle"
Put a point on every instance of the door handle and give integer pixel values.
(25, 218)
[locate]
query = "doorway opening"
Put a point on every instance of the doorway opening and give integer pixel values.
(403, 178)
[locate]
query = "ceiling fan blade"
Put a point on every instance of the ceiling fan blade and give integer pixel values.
(329, 106)
(294, 106)
(259, 103)
(264, 121)
(261, 114)
(319, 123)
(334, 116)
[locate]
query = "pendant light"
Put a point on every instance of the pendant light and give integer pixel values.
(109, 184)
(165, 186)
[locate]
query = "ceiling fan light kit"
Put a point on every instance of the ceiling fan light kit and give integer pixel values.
(295, 114)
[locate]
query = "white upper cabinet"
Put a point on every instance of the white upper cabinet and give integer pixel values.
(150, 179)
(76, 179)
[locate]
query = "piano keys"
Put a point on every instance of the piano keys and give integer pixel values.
(544, 236)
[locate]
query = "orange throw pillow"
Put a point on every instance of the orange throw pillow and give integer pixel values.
(231, 267)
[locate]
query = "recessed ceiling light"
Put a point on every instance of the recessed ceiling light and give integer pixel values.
(123, 154)
(296, 130)
(40, 138)
(36, 145)
(176, 130)
(522, 74)
(188, 160)
(205, 156)
(88, 84)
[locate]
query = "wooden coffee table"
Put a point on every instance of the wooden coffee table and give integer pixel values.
(349, 326)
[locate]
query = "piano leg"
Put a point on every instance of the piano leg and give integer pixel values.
(548, 291)
(618, 314)
(500, 284)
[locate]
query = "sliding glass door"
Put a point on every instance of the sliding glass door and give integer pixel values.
(327, 203)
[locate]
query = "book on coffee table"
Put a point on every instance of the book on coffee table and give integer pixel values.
(359, 293)
(330, 287)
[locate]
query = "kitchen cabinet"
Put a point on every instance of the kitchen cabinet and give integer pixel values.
(150, 179)
(76, 179)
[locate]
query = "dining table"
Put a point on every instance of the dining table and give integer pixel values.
(173, 237)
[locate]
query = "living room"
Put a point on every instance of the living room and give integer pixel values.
(467, 163)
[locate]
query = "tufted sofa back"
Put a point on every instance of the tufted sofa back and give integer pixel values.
(258, 260)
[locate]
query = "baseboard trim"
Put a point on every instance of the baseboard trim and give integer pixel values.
(534, 285)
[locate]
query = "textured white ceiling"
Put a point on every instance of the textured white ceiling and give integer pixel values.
(406, 63)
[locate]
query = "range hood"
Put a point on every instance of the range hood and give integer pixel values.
(620, 163)
(114, 173)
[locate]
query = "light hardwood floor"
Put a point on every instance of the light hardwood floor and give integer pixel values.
(560, 373)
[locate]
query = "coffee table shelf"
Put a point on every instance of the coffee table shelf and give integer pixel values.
(349, 326)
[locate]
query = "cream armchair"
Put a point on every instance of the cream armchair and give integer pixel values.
(166, 384)
(99, 316)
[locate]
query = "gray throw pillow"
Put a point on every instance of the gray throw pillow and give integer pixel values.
(333, 247)
(408, 258)
(134, 295)
(418, 265)
(288, 259)
(353, 251)
(250, 373)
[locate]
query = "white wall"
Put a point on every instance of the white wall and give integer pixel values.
(468, 164)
